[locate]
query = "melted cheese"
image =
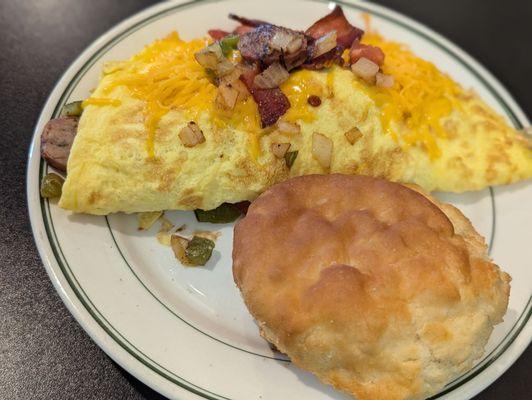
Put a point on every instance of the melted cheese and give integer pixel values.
(298, 88)
(413, 109)
(166, 76)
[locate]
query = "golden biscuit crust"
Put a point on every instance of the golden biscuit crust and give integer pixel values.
(374, 287)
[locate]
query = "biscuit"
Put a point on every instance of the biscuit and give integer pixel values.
(376, 288)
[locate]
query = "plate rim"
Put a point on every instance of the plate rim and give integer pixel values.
(52, 264)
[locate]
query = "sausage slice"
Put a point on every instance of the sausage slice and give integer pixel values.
(56, 140)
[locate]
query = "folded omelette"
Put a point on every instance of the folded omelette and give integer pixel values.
(426, 129)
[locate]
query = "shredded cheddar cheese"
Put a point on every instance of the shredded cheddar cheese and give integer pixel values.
(166, 76)
(411, 111)
(245, 116)
(299, 86)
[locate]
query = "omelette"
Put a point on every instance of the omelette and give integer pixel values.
(422, 128)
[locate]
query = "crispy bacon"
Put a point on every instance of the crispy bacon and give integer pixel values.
(272, 103)
(217, 34)
(254, 45)
(243, 29)
(336, 20)
(259, 46)
(326, 60)
(248, 22)
(372, 53)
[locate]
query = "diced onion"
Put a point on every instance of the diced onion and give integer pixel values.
(280, 40)
(179, 245)
(191, 135)
(243, 92)
(288, 127)
(384, 81)
(224, 67)
(271, 77)
(286, 41)
(210, 56)
(147, 219)
(280, 149)
(365, 69)
(294, 45)
(233, 78)
(352, 135)
(227, 96)
(163, 236)
(324, 44)
(322, 148)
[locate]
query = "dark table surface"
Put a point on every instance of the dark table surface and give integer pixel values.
(44, 353)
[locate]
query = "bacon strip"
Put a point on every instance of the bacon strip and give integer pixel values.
(217, 34)
(336, 20)
(326, 60)
(248, 22)
(262, 44)
(272, 103)
(243, 29)
(258, 46)
(372, 53)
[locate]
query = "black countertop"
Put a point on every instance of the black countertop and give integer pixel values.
(44, 353)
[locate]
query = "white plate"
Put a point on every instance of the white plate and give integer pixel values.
(186, 332)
